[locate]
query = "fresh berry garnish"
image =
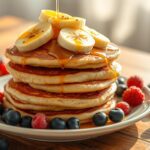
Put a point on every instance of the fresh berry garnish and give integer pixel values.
(39, 121)
(4, 113)
(1, 97)
(26, 122)
(12, 117)
(73, 123)
(120, 89)
(149, 85)
(58, 123)
(133, 96)
(124, 106)
(3, 70)
(116, 115)
(135, 81)
(4, 144)
(1, 109)
(121, 80)
(100, 119)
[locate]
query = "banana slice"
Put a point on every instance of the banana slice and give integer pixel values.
(36, 36)
(61, 20)
(76, 40)
(74, 22)
(47, 14)
(101, 41)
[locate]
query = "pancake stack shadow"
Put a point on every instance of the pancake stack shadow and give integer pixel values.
(66, 85)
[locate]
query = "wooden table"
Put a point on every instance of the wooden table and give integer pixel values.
(135, 137)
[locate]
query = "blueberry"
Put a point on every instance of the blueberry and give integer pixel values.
(5, 111)
(73, 123)
(1, 109)
(3, 144)
(149, 85)
(120, 89)
(12, 117)
(121, 80)
(57, 123)
(26, 122)
(116, 115)
(100, 119)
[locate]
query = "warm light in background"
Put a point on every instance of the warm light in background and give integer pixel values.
(126, 22)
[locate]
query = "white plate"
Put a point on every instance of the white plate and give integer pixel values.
(74, 135)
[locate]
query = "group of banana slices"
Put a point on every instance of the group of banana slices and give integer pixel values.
(73, 35)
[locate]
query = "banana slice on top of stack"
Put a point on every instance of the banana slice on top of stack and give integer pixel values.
(76, 40)
(101, 41)
(73, 33)
(61, 20)
(34, 37)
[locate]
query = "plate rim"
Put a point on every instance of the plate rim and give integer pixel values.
(75, 132)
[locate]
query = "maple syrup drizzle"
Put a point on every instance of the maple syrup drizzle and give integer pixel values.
(57, 7)
(111, 47)
(56, 21)
(61, 54)
(58, 52)
(96, 52)
(64, 56)
(32, 35)
(63, 59)
(56, 30)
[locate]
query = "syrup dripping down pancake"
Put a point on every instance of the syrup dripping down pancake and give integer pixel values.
(41, 75)
(27, 94)
(53, 56)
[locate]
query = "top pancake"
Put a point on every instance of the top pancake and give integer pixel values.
(51, 55)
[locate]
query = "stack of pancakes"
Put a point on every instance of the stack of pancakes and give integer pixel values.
(61, 83)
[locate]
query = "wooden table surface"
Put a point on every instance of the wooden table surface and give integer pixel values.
(135, 137)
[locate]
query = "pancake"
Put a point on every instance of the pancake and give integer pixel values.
(53, 56)
(27, 106)
(83, 87)
(26, 94)
(41, 75)
(85, 115)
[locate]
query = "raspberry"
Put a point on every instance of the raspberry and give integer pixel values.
(39, 121)
(3, 70)
(133, 96)
(1, 97)
(135, 81)
(124, 106)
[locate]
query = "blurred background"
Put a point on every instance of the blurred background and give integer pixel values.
(125, 22)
